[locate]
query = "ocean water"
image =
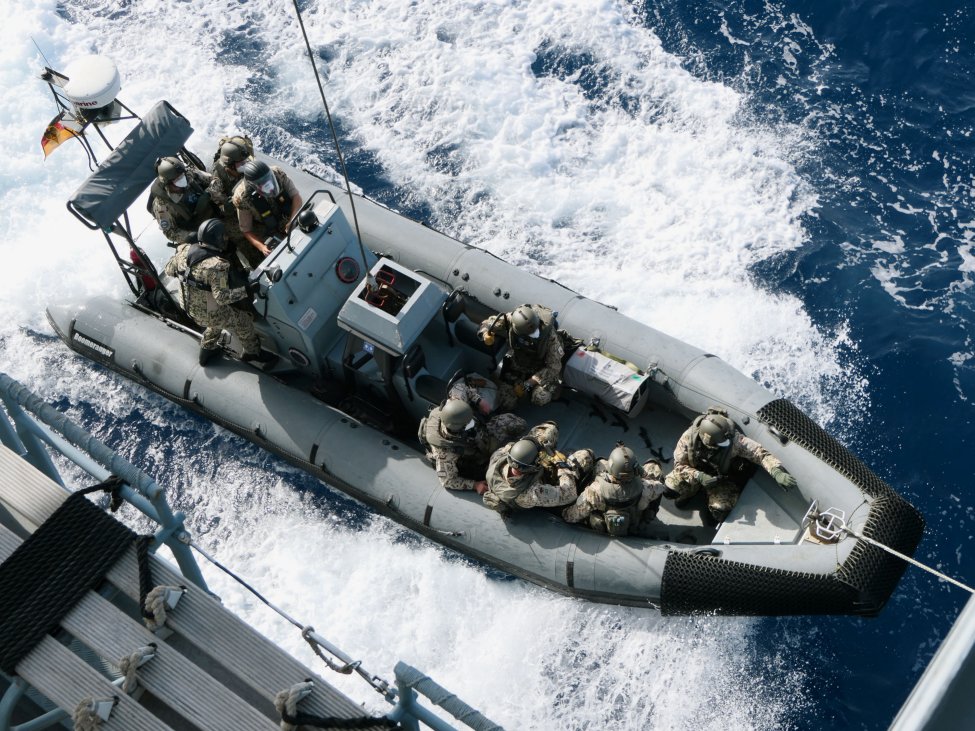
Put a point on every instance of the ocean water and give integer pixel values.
(789, 185)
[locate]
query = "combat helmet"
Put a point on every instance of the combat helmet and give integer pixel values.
(169, 169)
(233, 151)
(456, 416)
(210, 235)
(258, 173)
(716, 430)
(525, 322)
(622, 463)
(524, 455)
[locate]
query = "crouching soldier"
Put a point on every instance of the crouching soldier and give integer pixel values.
(622, 496)
(460, 443)
(208, 297)
(533, 363)
(704, 458)
(530, 473)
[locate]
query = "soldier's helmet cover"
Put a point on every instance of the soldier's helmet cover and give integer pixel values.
(456, 416)
(622, 464)
(171, 170)
(525, 322)
(257, 172)
(232, 152)
(716, 430)
(211, 234)
(524, 455)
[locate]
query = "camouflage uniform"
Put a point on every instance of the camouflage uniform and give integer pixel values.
(552, 486)
(693, 462)
(457, 458)
(211, 308)
(477, 390)
(591, 505)
(221, 191)
(179, 219)
(250, 218)
(543, 363)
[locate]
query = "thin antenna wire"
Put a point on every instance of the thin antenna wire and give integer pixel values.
(48, 63)
(335, 139)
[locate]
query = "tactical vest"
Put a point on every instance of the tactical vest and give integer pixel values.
(272, 213)
(220, 172)
(473, 450)
(187, 217)
(531, 359)
(712, 461)
(195, 255)
(621, 501)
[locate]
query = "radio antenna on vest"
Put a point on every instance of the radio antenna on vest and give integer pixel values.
(335, 139)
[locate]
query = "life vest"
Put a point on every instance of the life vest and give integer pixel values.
(713, 461)
(621, 501)
(530, 358)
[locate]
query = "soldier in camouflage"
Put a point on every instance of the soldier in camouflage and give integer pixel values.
(459, 443)
(180, 201)
(533, 363)
(703, 458)
(623, 496)
(202, 269)
(266, 201)
(232, 152)
(530, 473)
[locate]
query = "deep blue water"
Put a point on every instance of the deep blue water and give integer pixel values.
(888, 89)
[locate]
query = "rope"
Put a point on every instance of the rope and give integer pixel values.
(128, 665)
(286, 702)
(878, 544)
(86, 717)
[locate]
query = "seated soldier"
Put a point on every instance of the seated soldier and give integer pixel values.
(530, 473)
(533, 363)
(704, 457)
(460, 442)
(180, 201)
(622, 496)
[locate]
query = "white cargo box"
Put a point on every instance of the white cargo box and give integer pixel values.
(613, 383)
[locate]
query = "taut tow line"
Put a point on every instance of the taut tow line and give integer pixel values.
(832, 522)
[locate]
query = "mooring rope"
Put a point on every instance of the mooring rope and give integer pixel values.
(944, 577)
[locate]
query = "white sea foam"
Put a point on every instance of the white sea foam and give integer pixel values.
(658, 207)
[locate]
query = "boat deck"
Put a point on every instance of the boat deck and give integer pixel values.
(210, 670)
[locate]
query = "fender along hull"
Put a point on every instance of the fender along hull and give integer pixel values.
(759, 562)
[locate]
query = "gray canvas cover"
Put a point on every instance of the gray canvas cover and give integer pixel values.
(130, 168)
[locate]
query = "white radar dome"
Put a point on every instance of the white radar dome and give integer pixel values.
(93, 82)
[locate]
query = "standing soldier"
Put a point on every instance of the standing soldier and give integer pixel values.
(266, 200)
(704, 456)
(180, 201)
(530, 473)
(208, 298)
(460, 443)
(533, 363)
(623, 495)
(232, 152)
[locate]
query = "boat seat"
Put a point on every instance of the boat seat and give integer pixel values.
(465, 331)
(430, 388)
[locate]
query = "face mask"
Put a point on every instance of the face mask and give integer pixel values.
(722, 445)
(180, 182)
(269, 188)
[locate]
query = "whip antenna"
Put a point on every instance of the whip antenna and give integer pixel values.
(335, 139)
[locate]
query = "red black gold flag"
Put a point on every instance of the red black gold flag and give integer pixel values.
(55, 134)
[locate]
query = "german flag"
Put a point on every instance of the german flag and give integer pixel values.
(55, 134)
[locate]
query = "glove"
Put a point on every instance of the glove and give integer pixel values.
(192, 238)
(670, 493)
(706, 480)
(785, 480)
(488, 338)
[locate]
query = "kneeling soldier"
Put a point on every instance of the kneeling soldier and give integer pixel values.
(622, 495)
(460, 443)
